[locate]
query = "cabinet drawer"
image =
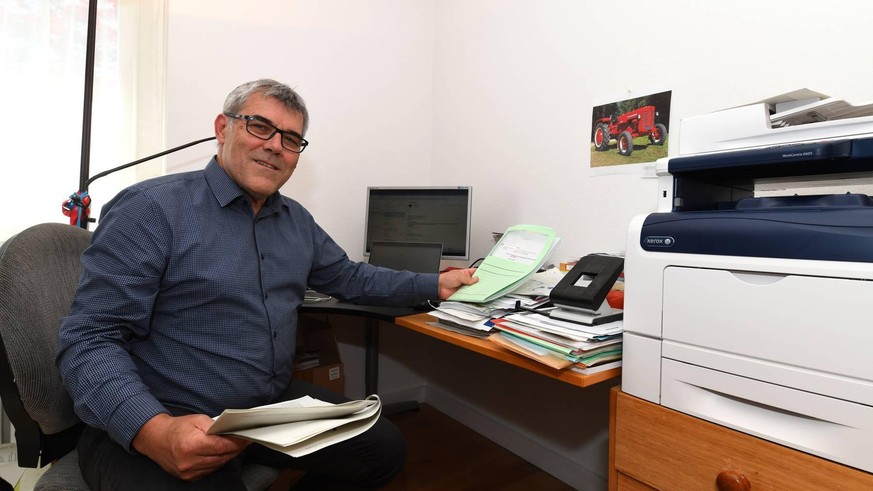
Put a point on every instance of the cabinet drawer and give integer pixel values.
(669, 450)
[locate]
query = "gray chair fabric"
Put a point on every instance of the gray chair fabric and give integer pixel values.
(64, 475)
(39, 272)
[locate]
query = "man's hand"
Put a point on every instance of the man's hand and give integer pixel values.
(181, 446)
(450, 281)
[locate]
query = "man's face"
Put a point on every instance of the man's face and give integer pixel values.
(259, 167)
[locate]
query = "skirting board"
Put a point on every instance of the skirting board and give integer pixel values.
(508, 437)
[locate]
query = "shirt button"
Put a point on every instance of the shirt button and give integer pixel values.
(275, 334)
(262, 257)
(266, 296)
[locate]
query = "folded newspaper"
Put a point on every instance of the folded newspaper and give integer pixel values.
(300, 426)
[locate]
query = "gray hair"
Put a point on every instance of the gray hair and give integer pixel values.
(268, 88)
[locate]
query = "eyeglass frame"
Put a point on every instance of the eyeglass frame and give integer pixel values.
(260, 119)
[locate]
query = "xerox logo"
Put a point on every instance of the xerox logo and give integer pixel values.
(659, 241)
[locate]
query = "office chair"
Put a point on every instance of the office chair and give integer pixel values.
(39, 272)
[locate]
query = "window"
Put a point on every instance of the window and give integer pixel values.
(42, 58)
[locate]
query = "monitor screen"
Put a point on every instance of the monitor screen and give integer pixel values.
(421, 214)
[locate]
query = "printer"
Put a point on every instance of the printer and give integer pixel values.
(756, 312)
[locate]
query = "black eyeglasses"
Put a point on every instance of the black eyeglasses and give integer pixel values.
(261, 128)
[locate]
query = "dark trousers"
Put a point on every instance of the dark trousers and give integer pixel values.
(366, 461)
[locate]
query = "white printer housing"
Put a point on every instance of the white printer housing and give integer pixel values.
(775, 340)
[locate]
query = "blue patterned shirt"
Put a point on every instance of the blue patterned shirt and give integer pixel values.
(188, 303)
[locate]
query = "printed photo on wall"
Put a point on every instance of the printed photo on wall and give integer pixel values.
(630, 131)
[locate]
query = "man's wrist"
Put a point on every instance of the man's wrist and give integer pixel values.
(149, 431)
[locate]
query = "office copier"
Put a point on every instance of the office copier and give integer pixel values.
(756, 312)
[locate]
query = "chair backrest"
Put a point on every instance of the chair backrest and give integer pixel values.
(39, 272)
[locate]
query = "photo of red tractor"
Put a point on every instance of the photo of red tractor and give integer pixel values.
(625, 127)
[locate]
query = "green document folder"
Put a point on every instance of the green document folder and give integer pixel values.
(518, 254)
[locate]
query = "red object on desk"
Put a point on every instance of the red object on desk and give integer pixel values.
(615, 299)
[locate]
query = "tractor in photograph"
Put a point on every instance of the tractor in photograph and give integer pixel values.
(625, 127)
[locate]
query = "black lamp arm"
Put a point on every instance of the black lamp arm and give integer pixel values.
(78, 205)
(140, 161)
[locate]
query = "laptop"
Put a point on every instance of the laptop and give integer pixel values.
(418, 257)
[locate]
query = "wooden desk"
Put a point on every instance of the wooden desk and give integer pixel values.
(419, 322)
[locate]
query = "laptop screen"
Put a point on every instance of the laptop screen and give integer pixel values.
(418, 257)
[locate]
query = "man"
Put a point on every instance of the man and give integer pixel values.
(187, 305)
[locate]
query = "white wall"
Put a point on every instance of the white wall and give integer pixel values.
(364, 69)
(516, 80)
(497, 94)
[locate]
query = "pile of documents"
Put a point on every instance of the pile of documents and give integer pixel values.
(475, 319)
(515, 323)
(509, 306)
(508, 281)
(560, 344)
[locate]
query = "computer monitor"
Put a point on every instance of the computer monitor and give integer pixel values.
(421, 214)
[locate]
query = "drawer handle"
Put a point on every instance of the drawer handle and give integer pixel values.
(732, 481)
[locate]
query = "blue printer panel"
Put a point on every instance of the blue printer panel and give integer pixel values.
(839, 233)
(715, 211)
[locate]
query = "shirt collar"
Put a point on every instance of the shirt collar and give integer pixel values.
(227, 191)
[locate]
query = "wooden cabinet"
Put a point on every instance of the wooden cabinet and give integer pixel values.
(652, 447)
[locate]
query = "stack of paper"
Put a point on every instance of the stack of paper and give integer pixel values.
(570, 330)
(559, 344)
(520, 253)
(475, 318)
(597, 368)
(466, 318)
